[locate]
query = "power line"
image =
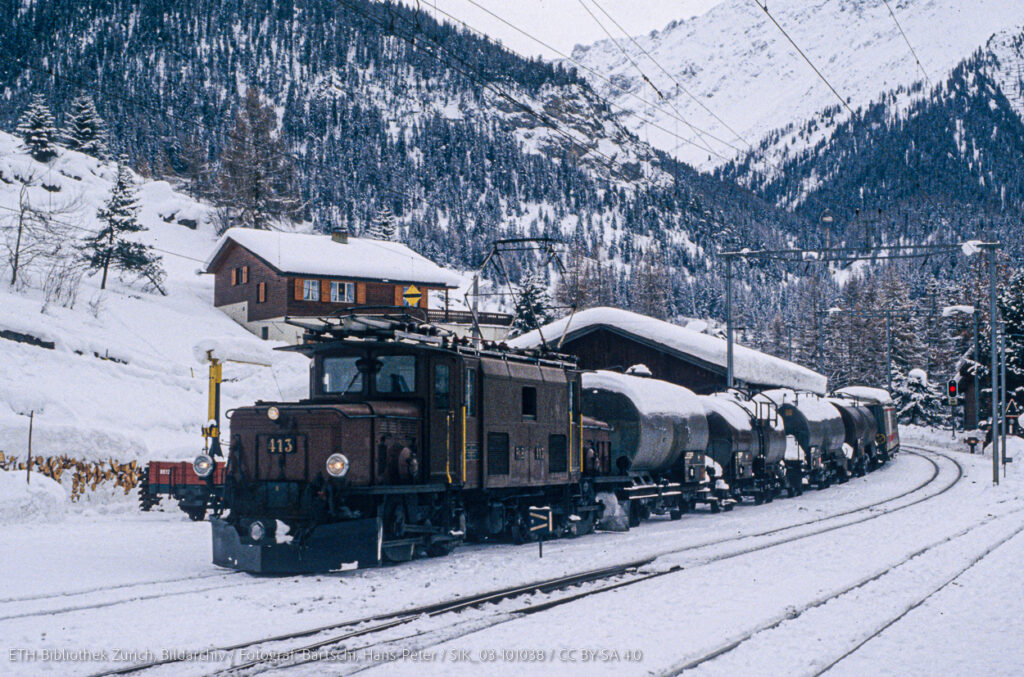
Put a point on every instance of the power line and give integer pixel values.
(907, 40)
(671, 77)
(764, 8)
(646, 79)
(593, 72)
(93, 232)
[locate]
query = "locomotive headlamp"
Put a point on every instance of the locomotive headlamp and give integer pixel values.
(337, 465)
(257, 531)
(203, 465)
(273, 413)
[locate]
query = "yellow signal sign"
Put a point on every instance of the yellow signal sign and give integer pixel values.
(411, 296)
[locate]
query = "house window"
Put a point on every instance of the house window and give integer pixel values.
(311, 290)
(343, 292)
(529, 403)
(261, 292)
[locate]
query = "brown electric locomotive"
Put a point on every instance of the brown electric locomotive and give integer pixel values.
(409, 442)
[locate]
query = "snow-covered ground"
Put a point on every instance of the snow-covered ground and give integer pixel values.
(127, 587)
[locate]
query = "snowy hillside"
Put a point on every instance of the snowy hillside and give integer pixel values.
(121, 381)
(740, 68)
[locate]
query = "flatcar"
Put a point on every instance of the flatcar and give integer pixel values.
(659, 435)
(179, 481)
(409, 442)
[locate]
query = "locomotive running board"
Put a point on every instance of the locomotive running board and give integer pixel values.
(331, 547)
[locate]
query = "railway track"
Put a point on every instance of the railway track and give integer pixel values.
(613, 577)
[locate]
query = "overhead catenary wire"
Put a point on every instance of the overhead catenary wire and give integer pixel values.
(907, 40)
(672, 77)
(810, 63)
(646, 79)
(596, 74)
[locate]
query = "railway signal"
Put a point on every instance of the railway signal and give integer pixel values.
(953, 391)
(541, 522)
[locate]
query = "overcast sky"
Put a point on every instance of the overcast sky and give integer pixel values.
(563, 23)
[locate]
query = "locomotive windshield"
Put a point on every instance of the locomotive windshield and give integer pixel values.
(342, 375)
(350, 374)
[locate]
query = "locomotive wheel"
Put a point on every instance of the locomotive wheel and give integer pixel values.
(716, 506)
(759, 498)
(790, 492)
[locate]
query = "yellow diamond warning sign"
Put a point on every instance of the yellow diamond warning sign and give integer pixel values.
(411, 296)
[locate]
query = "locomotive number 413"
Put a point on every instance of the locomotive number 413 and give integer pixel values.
(281, 445)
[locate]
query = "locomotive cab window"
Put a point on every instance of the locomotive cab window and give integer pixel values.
(442, 386)
(529, 403)
(396, 374)
(342, 375)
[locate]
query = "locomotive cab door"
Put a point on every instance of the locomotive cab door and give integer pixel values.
(445, 433)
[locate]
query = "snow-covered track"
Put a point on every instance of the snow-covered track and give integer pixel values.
(922, 599)
(380, 622)
(117, 586)
(186, 584)
(629, 577)
(793, 613)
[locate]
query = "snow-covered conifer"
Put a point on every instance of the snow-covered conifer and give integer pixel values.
(37, 130)
(86, 131)
(383, 225)
(110, 248)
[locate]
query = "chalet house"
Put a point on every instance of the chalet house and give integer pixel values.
(261, 277)
(610, 338)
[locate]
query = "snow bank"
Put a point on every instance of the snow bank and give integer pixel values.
(234, 349)
(750, 365)
(42, 499)
(614, 517)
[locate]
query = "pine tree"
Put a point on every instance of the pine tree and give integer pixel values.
(86, 131)
(533, 307)
(256, 181)
(383, 225)
(1011, 307)
(37, 130)
(109, 248)
(918, 400)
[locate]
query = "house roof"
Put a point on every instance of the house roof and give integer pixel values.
(313, 254)
(750, 366)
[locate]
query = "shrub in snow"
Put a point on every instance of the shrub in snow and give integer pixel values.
(39, 499)
(36, 128)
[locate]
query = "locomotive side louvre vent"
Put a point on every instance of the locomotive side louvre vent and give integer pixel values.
(497, 453)
(558, 458)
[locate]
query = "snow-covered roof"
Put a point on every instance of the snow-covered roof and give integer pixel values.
(650, 395)
(358, 258)
(751, 366)
(866, 394)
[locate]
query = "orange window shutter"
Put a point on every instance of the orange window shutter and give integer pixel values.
(262, 292)
(325, 290)
(361, 293)
(423, 298)
(398, 294)
(298, 289)
(245, 274)
(234, 276)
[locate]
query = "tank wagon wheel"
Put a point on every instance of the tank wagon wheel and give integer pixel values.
(715, 505)
(675, 514)
(440, 548)
(635, 514)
